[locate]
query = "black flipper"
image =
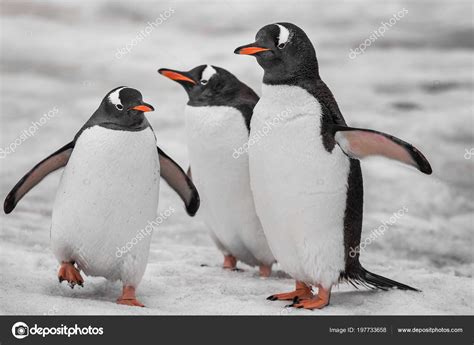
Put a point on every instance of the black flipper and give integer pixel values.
(359, 143)
(53, 162)
(360, 276)
(180, 182)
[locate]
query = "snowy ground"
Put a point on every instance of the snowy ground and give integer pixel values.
(416, 83)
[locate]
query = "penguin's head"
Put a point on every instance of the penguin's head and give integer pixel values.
(205, 84)
(124, 102)
(284, 51)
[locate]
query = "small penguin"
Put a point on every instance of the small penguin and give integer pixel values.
(108, 193)
(218, 117)
(305, 174)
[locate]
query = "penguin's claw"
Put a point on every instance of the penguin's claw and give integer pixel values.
(229, 262)
(315, 303)
(292, 296)
(265, 271)
(295, 301)
(130, 302)
(128, 297)
(71, 274)
(301, 291)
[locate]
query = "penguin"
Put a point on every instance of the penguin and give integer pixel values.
(305, 173)
(218, 116)
(108, 194)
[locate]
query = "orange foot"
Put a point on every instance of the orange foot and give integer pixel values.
(70, 273)
(301, 291)
(317, 302)
(229, 262)
(265, 271)
(128, 297)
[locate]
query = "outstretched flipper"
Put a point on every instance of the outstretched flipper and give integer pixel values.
(360, 143)
(52, 163)
(180, 182)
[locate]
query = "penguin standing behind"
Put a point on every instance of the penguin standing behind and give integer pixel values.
(218, 117)
(305, 174)
(108, 193)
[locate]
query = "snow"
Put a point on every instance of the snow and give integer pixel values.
(416, 83)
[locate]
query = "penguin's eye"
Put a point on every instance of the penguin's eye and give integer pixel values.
(119, 106)
(204, 81)
(281, 45)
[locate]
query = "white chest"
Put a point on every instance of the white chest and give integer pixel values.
(287, 122)
(215, 128)
(107, 194)
(223, 180)
(213, 133)
(121, 163)
(299, 187)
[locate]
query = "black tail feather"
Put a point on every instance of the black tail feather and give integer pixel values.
(361, 277)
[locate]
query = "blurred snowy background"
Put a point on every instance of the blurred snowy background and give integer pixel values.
(416, 82)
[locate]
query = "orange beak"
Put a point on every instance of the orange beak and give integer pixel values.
(143, 108)
(249, 50)
(175, 75)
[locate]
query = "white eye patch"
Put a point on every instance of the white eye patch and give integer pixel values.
(115, 99)
(284, 34)
(208, 72)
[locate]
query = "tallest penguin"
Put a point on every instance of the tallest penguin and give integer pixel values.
(305, 174)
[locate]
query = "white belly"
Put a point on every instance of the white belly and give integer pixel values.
(107, 194)
(299, 187)
(223, 182)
